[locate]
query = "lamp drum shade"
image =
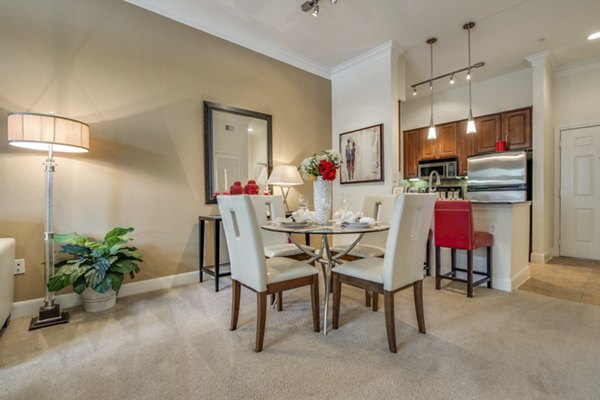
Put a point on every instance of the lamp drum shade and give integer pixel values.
(41, 131)
(285, 175)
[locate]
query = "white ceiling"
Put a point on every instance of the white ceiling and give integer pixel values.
(506, 30)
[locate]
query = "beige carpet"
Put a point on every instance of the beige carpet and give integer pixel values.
(176, 345)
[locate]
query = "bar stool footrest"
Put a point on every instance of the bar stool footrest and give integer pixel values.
(452, 276)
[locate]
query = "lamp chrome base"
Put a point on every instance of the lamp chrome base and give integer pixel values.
(49, 317)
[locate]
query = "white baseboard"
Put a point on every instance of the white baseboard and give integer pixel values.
(542, 258)
(501, 284)
(30, 308)
(521, 277)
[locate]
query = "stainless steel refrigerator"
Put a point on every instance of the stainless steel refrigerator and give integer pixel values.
(498, 177)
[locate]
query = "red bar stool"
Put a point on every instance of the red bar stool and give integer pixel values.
(427, 263)
(454, 229)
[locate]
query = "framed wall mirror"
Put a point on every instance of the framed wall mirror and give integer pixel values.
(237, 147)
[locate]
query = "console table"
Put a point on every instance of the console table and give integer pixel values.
(216, 273)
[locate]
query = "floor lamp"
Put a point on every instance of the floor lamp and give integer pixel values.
(52, 134)
(285, 176)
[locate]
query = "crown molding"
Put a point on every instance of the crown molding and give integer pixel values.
(387, 49)
(542, 58)
(233, 35)
(575, 68)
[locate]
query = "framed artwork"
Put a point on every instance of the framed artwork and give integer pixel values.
(362, 154)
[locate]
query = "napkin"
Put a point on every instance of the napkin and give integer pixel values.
(367, 220)
(346, 217)
(302, 216)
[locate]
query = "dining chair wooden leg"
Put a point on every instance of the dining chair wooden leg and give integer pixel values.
(438, 280)
(314, 302)
(489, 266)
(367, 298)
(235, 304)
(279, 301)
(272, 298)
(390, 322)
(375, 301)
(261, 318)
(337, 297)
(469, 273)
(418, 294)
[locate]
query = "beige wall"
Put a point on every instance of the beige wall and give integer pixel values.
(139, 80)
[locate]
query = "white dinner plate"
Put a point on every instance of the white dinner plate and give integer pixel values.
(294, 224)
(357, 225)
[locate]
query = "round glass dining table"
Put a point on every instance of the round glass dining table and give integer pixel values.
(323, 254)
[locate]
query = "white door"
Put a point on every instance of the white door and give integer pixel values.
(580, 193)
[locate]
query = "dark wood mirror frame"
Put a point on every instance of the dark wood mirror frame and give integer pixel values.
(209, 140)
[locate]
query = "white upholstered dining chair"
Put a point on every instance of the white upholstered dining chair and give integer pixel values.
(251, 269)
(269, 208)
(400, 268)
(380, 208)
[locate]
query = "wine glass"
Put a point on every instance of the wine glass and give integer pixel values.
(302, 203)
(345, 203)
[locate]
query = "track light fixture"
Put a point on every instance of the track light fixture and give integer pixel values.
(451, 74)
(470, 122)
(314, 6)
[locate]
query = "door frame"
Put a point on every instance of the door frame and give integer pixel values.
(557, 181)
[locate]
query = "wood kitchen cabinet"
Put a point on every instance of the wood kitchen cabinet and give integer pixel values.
(465, 146)
(446, 140)
(489, 131)
(411, 153)
(513, 126)
(443, 146)
(516, 129)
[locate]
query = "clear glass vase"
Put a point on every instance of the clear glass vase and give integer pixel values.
(322, 200)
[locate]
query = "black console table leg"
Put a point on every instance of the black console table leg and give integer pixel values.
(201, 226)
(217, 248)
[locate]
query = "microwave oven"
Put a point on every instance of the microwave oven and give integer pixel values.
(446, 168)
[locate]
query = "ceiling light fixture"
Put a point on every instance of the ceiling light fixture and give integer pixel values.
(470, 122)
(414, 91)
(314, 6)
(449, 74)
(431, 134)
(594, 36)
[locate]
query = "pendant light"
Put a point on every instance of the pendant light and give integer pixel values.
(431, 134)
(470, 122)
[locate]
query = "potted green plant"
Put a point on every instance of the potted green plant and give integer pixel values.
(95, 269)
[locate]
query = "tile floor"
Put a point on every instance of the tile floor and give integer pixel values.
(566, 278)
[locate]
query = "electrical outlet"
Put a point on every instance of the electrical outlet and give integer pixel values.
(19, 266)
(492, 229)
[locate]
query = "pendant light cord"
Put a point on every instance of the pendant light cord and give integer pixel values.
(431, 79)
(470, 101)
